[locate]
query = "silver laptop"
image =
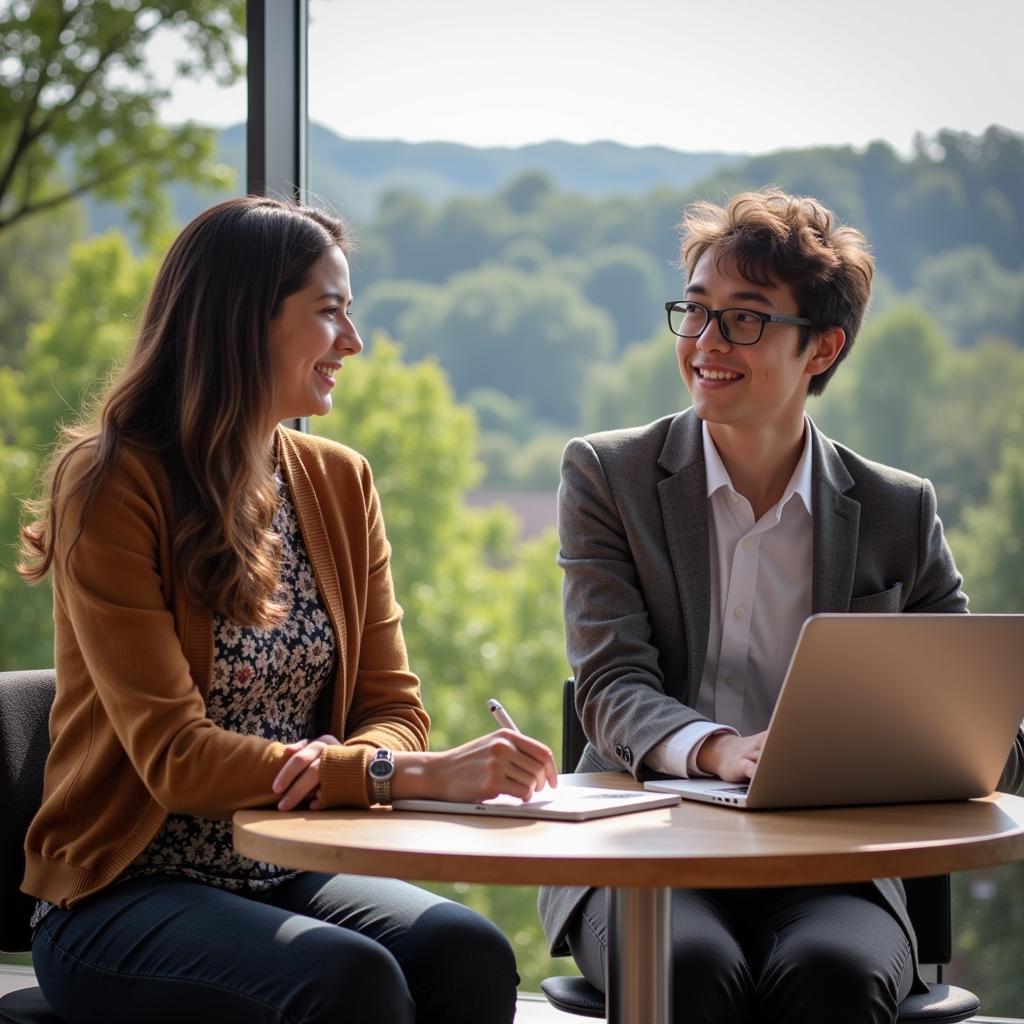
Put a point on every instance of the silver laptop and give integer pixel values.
(879, 709)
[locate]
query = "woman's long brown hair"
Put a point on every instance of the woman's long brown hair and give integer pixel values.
(197, 389)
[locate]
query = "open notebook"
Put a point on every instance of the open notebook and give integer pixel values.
(566, 803)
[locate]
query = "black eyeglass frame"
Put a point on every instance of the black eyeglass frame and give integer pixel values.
(717, 314)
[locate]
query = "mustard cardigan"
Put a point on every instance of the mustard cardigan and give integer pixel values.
(130, 740)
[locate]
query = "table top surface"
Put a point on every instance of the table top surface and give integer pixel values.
(691, 844)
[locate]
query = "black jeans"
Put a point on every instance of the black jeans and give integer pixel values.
(318, 948)
(767, 956)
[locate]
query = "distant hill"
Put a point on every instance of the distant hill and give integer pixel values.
(355, 172)
(352, 174)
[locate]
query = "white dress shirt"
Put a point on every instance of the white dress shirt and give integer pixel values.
(760, 597)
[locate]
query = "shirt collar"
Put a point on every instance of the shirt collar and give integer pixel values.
(799, 483)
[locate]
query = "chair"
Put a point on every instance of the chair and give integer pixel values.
(25, 702)
(928, 904)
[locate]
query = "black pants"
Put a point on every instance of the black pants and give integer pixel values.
(318, 948)
(770, 956)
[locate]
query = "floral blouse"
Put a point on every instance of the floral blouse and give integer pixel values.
(265, 682)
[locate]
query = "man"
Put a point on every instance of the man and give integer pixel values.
(693, 550)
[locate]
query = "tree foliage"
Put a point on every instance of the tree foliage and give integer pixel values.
(529, 332)
(638, 388)
(989, 545)
(68, 357)
(79, 103)
(971, 295)
(33, 257)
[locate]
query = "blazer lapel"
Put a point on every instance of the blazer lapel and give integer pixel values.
(684, 510)
(836, 524)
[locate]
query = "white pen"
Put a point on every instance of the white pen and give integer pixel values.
(504, 719)
(501, 716)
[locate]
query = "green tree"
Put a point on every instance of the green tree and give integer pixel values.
(33, 258)
(971, 295)
(625, 281)
(978, 415)
(420, 445)
(882, 399)
(78, 102)
(533, 336)
(381, 305)
(67, 358)
(989, 547)
(524, 193)
(639, 387)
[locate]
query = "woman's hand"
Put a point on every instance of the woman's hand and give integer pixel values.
(300, 777)
(504, 761)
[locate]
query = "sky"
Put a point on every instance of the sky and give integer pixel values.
(746, 76)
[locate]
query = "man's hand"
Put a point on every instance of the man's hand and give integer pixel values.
(731, 758)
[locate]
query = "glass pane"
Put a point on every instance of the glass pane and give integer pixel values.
(987, 925)
(514, 174)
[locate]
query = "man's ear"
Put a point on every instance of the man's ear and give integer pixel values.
(824, 350)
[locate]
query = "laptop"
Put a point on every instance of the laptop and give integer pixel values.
(879, 709)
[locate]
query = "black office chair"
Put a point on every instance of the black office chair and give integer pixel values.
(25, 702)
(928, 904)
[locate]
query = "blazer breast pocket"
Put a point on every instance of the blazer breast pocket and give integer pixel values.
(886, 601)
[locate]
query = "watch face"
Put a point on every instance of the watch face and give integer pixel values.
(381, 769)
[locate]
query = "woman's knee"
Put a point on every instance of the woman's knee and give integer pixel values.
(460, 967)
(355, 979)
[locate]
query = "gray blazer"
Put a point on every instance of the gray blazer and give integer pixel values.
(633, 532)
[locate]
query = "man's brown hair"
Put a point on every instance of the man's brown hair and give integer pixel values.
(772, 237)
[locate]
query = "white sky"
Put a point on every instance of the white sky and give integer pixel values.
(735, 75)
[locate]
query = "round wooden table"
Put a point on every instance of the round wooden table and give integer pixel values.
(641, 856)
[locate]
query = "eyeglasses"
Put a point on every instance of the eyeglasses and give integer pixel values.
(689, 319)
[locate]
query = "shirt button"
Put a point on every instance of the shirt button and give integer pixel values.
(730, 679)
(747, 543)
(738, 613)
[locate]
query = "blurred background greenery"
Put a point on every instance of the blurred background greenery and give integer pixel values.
(503, 317)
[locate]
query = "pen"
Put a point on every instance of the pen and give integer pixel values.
(504, 719)
(501, 716)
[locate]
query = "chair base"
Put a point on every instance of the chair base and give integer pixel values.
(941, 1004)
(27, 1006)
(574, 995)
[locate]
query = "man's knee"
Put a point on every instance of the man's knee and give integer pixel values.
(830, 982)
(711, 982)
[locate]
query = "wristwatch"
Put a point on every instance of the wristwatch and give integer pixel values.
(380, 770)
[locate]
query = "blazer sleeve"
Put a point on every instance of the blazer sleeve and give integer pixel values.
(114, 621)
(620, 691)
(937, 585)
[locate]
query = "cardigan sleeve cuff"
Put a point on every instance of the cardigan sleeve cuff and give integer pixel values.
(343, 775)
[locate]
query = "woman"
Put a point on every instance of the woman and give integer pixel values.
(227, 637)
